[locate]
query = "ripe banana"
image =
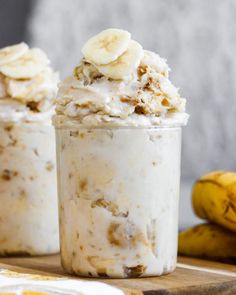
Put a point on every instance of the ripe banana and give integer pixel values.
(208, 241)
(113, 53)
(214, 198)
(27, 66)
(106, 46)
(11, 53)
(39, 87)
(125, 64)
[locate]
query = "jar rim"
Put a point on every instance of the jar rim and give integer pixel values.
(63, 122)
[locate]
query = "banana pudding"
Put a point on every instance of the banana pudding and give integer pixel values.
(118, 130)
(28, 210)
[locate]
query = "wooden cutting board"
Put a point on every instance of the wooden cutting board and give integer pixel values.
(192, 276)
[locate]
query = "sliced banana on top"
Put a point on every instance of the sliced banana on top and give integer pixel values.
(11, 53)
(106, 46)
(124, 65)
(27, 66)
(41, 86)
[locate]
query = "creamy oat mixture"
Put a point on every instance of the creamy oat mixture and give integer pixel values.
(119, 191)
(139, 95)
(118, 120)
(28, 209)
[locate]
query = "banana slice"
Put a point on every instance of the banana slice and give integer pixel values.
(11, 53)
(106, 46)
(41, 86)
(27, 66)
(125, 64)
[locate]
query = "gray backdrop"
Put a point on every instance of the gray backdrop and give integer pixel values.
(198, 37)
(13, 19)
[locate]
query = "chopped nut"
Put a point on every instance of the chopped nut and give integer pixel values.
(130, 100)
(110, 206)
(142, 69)
(141, 110)
(87, 72)
(165, 102)
(115, 236)
(49, 166)
(8, 174)
(134, 271)
(172, 110)
(83, 184)
(33, 106)
(8, 128)
(147, 86)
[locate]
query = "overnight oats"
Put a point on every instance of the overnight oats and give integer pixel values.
(118, 130)
(28, 194)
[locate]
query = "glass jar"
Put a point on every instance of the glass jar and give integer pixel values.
(118, 200)
(28, 191)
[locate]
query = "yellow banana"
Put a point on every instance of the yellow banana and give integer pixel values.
(214, 198)
(208, 241)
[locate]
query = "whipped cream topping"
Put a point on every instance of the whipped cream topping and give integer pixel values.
(28, 85)
(131, 90)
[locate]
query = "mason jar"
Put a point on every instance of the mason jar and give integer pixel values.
(118, 199)
(28, 190)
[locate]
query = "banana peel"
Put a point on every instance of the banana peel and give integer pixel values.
(209, 241)
(214, 198)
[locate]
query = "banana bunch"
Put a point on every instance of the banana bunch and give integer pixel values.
(213, 199)
(208, 241)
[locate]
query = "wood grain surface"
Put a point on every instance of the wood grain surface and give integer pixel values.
(192, 276)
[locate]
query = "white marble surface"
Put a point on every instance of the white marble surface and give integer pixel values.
(198, 37)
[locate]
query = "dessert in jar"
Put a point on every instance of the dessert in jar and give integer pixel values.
(28, 191)
(118, 130)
